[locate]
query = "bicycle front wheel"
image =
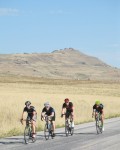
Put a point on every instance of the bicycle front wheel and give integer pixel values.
(72, 131)
(27, 134)
(98, 127)
(67, 130)
(46, 132)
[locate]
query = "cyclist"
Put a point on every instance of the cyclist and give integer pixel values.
(32, 116)
(68, 108)
(98, 108)
(49, 111)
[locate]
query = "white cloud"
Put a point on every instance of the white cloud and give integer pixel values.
(9, 12)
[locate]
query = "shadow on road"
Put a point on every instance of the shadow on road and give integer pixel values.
(11, 142)
(86, 133)
(60, 134)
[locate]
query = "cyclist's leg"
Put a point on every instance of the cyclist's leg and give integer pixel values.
(67, 116)
(72, 118)
(53, 125)
(33, 125)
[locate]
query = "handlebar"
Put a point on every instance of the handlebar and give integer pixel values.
(47, 118)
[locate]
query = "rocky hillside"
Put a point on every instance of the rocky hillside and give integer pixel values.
(62, 64)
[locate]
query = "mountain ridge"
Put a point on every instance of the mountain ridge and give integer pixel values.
(65, 63)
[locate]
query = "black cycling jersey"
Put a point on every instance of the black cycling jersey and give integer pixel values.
(29, 111)
(68, 107)
(99, 108)
(49, 111)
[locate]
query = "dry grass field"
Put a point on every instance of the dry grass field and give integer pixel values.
(15, 91)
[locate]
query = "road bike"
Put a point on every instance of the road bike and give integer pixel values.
(28, 132)
(98, 123)
(48, 129)
(68, 126)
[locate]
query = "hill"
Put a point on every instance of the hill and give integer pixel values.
(60, 64)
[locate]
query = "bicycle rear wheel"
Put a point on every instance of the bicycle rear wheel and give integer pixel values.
(46, 132)
(27, 134)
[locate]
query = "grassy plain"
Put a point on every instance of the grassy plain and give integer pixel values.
(15, 91)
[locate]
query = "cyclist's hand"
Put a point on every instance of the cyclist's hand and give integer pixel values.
(61, 115)
(41, 118)
(21, 120)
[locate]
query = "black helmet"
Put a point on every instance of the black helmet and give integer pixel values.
(27, 103)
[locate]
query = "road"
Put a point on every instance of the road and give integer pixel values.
(84, 138)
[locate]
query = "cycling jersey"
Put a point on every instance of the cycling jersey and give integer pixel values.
(49, 112)
(69, 107)
(29, 111)
(98, 109)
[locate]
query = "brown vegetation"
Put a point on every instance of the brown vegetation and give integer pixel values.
(15, 91)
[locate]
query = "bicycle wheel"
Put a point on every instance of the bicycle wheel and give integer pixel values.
(98, 129)
(72, 131)
(51, 131)
(67, 128)
(100, 126)
(46, 132)
(27, 134)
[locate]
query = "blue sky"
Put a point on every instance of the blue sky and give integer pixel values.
(91, 26)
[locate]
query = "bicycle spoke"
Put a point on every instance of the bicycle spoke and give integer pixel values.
(66, 128)
(72, 131)
(46, 132)
(27, 134)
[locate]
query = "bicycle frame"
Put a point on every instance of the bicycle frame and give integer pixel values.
(48, 128)
(28, 132)
(68, 126)
(98, 123)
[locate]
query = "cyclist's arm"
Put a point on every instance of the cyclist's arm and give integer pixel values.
(63, 111)
(42, 115)
(34, 113)
(21, 120)
(52, 114)
(72, 107)
(93, 113)
(22, 115)
(102, 112)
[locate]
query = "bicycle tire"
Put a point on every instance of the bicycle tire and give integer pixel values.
(46, 132)
(27, 134)
(72, 131)
(67, 128)
(98, 127)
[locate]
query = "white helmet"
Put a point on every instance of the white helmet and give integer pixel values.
(46, 104)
